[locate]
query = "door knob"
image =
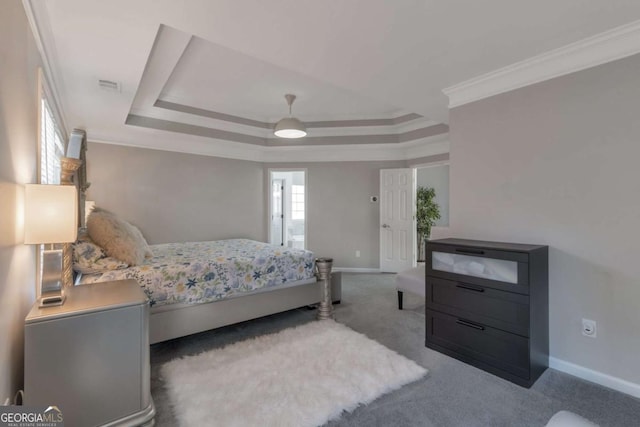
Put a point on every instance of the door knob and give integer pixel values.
(386, 226)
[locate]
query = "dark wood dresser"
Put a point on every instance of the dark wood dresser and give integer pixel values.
(488, 305)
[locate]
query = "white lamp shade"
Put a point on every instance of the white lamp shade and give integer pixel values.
(51, 214)
(290, 127)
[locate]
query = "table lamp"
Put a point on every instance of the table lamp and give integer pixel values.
(51, 217)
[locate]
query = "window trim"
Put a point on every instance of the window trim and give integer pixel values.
(44, 92)
(267, 185)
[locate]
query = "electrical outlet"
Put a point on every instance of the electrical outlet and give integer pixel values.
(589, 328)
(357, 254)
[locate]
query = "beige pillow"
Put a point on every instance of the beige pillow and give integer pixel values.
(148, 253)
(117, 237)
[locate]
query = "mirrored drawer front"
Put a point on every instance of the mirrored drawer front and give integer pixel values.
(468, 265)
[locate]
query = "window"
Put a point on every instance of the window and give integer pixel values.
(297, 202)
(50, 150)
(51, 145)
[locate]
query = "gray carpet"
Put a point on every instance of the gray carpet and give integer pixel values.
(452, 394)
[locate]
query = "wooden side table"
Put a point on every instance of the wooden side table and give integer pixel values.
(90, 356)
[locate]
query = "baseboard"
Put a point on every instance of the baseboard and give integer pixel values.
(356, 270)
(587, 374)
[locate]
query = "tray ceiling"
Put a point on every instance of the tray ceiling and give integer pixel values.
(210, 77)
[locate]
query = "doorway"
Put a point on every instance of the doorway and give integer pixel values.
(287, 208)
(436, 176)
(397, 219)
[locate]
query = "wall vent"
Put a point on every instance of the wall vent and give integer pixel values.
(109, 85)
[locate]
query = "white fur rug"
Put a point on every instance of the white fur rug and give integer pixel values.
(303, 376)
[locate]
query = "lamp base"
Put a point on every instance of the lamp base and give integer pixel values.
(51, 290)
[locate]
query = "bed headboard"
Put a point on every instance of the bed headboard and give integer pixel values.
(73, 171)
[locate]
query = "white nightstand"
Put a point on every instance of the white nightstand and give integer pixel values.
(90, 356)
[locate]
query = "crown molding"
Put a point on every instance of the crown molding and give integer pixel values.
(185, 124)
(41, 32)
(427, 147)
(430, 146)
(194, 120)
(186, 118)
(608, 46)
(353, 126)
(358, 153)
(176, 103)
(188, 145)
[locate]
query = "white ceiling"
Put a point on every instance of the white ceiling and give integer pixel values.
(345, 59)
(242, 85)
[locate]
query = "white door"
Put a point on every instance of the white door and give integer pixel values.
(277, 212)
(397, 228)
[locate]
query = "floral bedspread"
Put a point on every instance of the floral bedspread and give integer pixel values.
(196, 272)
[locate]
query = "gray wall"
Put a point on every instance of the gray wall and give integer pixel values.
(437, 177)
(175, 197)
(18, 142)
(557, 163)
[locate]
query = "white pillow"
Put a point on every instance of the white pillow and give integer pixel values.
(117, 237)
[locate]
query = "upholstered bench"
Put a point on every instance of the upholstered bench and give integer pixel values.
(411, 280)
(569, 419)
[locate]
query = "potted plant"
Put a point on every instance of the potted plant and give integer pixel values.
(427, 213)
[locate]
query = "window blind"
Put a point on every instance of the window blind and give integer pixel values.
(51, 151)
(51, 146)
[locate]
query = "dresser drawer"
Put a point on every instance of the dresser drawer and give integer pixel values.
(502, 310)
(502, 350)
(491, 268)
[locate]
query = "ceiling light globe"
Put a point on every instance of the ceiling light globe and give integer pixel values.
(290, 128)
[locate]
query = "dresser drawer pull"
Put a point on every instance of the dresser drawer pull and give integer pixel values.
(469, 287)
(470, 251)
(469, 324)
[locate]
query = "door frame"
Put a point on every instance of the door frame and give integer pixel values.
(283, 204)
(412, 213)
(306, 200)
(417, 166)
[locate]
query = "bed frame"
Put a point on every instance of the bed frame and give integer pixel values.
(173, 321)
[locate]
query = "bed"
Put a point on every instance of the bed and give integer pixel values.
(199, 272)
(197, 286)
